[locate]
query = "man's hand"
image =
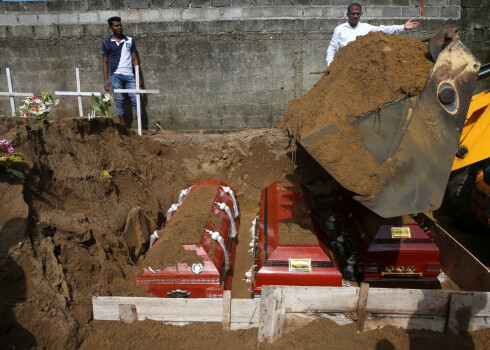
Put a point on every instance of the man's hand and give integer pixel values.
(410, 24)
(107, 86)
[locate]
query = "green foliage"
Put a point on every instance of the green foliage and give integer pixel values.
(102, 104)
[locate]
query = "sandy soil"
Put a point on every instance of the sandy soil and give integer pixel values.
(62, 230)
(368, 73)
(187, 227)
(320, 334)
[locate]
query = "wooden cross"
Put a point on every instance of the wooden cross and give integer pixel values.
(78, 93)
(138, 93)
(11, 94)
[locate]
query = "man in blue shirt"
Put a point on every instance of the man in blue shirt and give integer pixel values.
(119, 58)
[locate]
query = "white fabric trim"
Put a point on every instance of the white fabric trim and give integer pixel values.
(232, 228)
(153, 239)
(173, 208)
(183, 194)
(232, 195)
(217, 237)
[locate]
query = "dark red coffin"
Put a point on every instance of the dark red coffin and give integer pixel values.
(214, 278)
(393, 252)
(310, 264)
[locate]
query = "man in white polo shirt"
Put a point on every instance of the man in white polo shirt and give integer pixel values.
(119, 58)
(349, 31)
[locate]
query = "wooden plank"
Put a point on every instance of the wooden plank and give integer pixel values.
(407, 301)
(457, 261)
(272, 311)
(295, 321)
(361, 307)
(76, 93)
(9, 82)
(477, 323)
(320, 299)
(410, 309)
(18, 94)
(459, 315)
(160, 309)
(243, 325)
(480, 303)
(136, 91)
(127, 313)
(434, 323)
(226, 309)
(245, 311)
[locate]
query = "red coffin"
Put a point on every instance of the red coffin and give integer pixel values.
(384, 253)
(280, 264)
(210, 283)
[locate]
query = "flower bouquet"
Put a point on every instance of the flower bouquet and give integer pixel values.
(103, 104)
(38, 106)
(8, 156)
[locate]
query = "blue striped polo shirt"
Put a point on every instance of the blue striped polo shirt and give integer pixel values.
(120, 59)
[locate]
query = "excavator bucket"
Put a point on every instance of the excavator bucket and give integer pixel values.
(412, 140)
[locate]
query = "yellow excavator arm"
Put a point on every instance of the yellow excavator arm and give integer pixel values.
(474, 144)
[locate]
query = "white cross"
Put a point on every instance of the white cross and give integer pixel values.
(78, 93)
(138, 93)
(12, 94)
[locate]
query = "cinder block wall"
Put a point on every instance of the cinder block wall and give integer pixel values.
(217, 63)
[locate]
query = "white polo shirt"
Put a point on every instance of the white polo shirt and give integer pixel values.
(344, 34)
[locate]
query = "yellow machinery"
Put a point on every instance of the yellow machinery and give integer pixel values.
(468, 191)
(474, 145)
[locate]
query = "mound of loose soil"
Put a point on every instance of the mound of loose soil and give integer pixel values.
(319, 334)
(368, 73)
(186, 226)
(62, 241)
(61, 229)
(299, 230)
(297, 233)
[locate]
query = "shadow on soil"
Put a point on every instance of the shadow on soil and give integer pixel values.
(13, 291)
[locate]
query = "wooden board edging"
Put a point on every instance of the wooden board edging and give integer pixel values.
(285, 308)
(436, 310)
(233, 313)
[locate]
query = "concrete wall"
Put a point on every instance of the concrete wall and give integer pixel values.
(217, 63)
(475, 27)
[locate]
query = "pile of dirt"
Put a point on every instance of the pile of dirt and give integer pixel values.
(62, 228)
(186, 227)
(319, 334)
(368, 73)
(299, 230)
(62, 232)
(297, 233)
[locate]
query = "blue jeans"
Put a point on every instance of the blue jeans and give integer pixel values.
(119, 81)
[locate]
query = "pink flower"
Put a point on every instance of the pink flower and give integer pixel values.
(6, 148)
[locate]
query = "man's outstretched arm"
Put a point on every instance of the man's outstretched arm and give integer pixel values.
(410, 25)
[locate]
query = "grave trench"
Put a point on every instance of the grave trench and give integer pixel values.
(73, 246)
